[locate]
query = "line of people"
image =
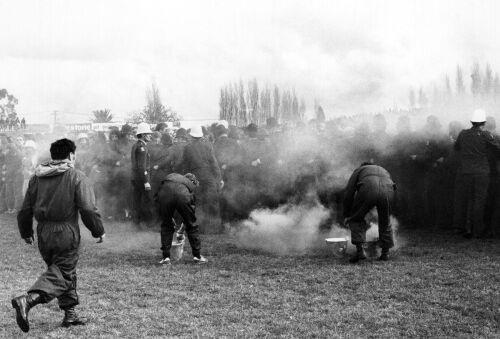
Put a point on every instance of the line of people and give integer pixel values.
(12, 123)
(242, 169)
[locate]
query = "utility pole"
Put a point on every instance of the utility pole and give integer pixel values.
(53, 127)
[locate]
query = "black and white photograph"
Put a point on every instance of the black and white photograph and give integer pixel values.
(250, 169)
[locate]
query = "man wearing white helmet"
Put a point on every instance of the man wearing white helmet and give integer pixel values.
(141, 185)
(199, 159)
(474, 146)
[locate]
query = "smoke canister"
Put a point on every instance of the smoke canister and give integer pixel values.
(338, 246)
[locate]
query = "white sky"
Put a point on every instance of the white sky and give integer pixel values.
(352, 56)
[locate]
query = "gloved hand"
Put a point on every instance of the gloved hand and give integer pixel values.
(29, 240)
(147, 186)
(101, 239)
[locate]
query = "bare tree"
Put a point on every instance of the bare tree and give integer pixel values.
(276, 103)
(102, 116)
(155, 112)
(411, 97)
(475, 85)
(460, 82)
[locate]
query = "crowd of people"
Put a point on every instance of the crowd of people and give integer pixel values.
(265, 167)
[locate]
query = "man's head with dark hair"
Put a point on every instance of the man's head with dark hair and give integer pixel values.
(61, 149)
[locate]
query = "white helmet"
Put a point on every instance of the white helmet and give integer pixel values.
(224, 123)
(196, 131)
(143, 128)
(30, 143)
(82, 136)
(479, 115)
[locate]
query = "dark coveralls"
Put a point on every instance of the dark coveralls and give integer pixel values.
(369, 186)
(199, 159)
(176, 193)
(54, 199)
(141, 169)
(471, 186)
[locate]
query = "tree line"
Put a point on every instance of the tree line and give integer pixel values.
(241, 105)
(484, 89)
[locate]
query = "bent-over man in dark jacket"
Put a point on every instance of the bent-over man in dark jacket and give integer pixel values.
(55, 195)
(369, 186)
(176, 193)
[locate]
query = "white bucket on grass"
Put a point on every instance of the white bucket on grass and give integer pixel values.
(338, 246)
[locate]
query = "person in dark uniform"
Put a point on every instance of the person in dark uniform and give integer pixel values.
(55, 195)
(369, 186)
(230, 158)
(474, 147)
(141, 186)
(177, 193)
(199, 158)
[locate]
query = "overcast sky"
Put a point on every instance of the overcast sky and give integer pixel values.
(352, 56)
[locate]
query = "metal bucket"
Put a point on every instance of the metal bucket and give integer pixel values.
(177, 249)
(338, 246)
(373, 249)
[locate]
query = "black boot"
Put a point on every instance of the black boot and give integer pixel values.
(385, 254)
(360, 254)
(71, 318)
(22, 305)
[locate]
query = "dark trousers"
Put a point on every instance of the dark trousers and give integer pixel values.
(142, 203)
(381, 198)
(176, 197)
(58, 244)
(471, 192)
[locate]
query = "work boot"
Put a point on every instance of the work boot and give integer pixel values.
(384, 256)
(22, 305)
(360, 254)
(71, 318)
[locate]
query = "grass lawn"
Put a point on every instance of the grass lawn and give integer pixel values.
(434, 286)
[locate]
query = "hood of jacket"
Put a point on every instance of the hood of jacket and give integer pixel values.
(53, 167)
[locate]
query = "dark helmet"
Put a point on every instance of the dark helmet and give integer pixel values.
(159, 127)
(252, 128)
(127, 129)
(166, 139)
(181, 133)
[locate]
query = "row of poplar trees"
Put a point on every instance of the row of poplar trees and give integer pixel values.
(484, 85)
(241, 105)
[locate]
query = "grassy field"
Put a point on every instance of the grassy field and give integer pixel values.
(434, 286)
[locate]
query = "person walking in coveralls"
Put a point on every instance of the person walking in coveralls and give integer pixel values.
(55, 195)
